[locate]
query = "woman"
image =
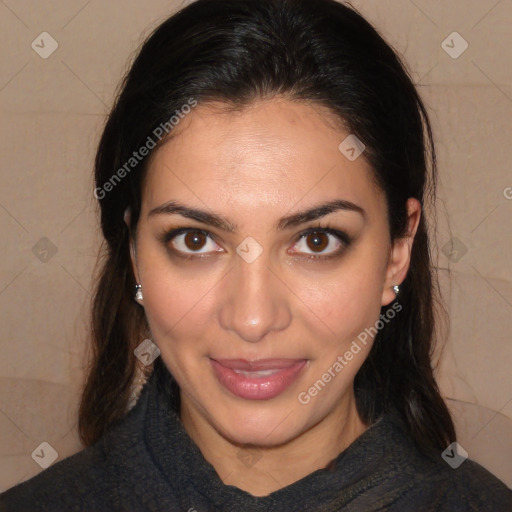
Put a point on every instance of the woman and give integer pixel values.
(263, 179)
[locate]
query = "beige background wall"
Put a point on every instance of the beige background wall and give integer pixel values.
(52, 112)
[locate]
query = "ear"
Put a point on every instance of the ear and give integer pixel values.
(133, 257)
(400, 253)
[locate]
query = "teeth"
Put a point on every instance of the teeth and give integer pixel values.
(254, 375)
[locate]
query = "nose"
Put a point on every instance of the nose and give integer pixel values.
(254, 300)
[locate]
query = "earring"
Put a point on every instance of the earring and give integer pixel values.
(396, 288)
(138, 292)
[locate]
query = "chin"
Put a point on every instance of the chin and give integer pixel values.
(259, 426)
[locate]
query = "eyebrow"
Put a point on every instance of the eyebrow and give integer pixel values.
(289, 221)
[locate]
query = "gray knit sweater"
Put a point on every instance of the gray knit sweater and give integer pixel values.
(147, 462)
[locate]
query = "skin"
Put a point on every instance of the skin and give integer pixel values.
(254, 166)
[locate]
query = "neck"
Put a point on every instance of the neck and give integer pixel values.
(261, 470)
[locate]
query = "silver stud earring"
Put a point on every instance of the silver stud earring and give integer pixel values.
(138, 292)
(396, 288)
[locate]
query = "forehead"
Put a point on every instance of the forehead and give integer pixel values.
(273, 152)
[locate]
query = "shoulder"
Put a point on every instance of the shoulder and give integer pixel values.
(434, 480)
(473, 484)
(79, 478)
(87, 480)
(466, 487)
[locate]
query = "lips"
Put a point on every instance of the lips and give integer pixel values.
(257, 380)
(261, 364)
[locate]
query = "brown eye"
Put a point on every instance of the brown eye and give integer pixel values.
(321, 243)
(190, 243)
(194, 240)
(317, 241)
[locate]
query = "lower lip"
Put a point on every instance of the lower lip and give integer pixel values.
(257, 388)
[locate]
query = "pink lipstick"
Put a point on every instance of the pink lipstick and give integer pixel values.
(257, 380)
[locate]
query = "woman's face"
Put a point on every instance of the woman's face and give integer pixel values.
(248, 310)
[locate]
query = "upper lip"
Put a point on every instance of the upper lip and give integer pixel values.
(260, 364)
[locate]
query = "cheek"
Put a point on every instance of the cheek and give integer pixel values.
(177, 312)
(175, 309)
(177, 301)
(348, 301)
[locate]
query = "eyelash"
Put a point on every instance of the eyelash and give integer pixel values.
(342, 237)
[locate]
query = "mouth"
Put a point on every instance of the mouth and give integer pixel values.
(257, 380)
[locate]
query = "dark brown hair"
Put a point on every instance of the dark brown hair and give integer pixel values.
(236, 51)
